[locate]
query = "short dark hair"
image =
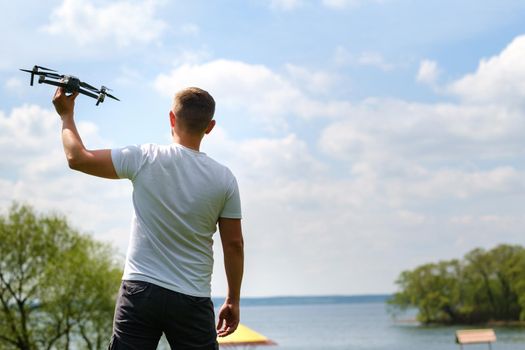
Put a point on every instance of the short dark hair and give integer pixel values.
(194, 107)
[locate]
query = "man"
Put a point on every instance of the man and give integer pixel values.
(179, 196)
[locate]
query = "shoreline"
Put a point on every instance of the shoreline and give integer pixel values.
(311, 300)
(489, 324)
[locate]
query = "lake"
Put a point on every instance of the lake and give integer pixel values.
(361, 322)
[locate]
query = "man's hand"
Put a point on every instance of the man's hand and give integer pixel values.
(64, 105)
(228, 318)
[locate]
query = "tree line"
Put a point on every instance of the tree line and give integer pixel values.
(485, 286)
(57, 286)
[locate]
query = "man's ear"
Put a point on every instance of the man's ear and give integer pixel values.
(172, 119)
(210, 126)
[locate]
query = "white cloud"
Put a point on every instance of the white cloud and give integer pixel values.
(498, 80)
(191, 57)
(286, 5)
(255, 91)
(501, 222)
(387, 133)
(428, 72)
(129, 76)
(26, 132)
(373, 59)
(122, 23)
(449, 184)
(35, 171)
(237, 85)
(190, 29)
(14, 85)
(340, 4)
(287, 157)
(411, 154)
(368, 58)
(337, 3)
(289, 202)
(310, 81)
(418, 166)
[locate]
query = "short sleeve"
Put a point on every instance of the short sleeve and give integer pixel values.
(232, 206)
(127, 161)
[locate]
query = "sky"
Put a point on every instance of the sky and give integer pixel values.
(367, 136)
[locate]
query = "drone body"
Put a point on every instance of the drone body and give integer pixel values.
(70, 83)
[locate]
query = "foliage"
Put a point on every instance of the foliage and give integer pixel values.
(485, 286)
(57, 286)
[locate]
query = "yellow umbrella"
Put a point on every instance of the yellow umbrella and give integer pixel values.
(244, 336)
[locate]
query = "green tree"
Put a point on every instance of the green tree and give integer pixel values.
(434, 289)
(57, 286)
(485, 286)
(494, 277)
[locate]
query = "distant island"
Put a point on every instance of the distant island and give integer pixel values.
(483, 287)
(315, 300)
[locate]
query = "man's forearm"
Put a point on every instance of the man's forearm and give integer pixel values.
(234, 266)
(92, 162)
(73, 146)
(229, 313)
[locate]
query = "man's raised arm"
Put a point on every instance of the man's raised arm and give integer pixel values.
(92, 162)
(233, 248)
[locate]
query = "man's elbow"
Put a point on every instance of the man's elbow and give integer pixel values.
(74, 162)
(234, 246)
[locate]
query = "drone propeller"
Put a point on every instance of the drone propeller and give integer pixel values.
(110, 95)
(44, 68)
(104, 90)
(47, 73)
(113, 97)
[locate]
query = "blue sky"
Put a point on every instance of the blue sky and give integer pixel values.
(368, 137)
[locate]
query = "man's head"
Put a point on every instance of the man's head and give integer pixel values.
(193, 109)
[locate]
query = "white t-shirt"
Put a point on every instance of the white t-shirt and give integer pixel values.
(178, 196)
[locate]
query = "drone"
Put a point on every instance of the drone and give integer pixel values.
(70, 83)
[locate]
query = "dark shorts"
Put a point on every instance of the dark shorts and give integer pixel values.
(144, 311)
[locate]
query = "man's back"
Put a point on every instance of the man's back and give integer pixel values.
(178, 196)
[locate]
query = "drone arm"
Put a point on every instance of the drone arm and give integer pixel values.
(51, 82)
(87, 93)
(60, 84)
